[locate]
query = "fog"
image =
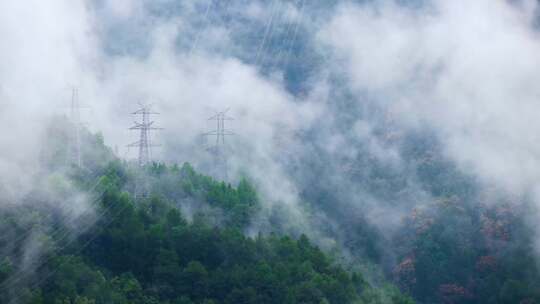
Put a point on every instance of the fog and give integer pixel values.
(301, 79)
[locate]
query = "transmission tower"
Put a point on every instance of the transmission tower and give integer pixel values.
(144, 144)
(75, 154)
(218, 149)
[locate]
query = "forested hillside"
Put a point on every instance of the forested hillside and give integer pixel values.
(185, 240)
(454, 243)
(143, 249)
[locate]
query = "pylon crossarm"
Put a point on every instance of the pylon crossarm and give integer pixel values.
(144, 111)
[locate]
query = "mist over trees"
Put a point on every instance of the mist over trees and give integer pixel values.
(383, 152)
(144, 250)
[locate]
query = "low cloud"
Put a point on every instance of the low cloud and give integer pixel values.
(467, 69)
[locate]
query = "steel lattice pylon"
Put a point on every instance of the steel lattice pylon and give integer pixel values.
(75, 141)
(144, 144)
(218, 149)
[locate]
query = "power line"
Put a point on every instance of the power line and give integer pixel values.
(268, 31)
(298, 22)
(289, 43)
(12, 281)
(59, 236)
(56, 232)
(282, 35)
(198, 34)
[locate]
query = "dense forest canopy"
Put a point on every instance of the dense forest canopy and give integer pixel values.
(144, 250)
(132, 248)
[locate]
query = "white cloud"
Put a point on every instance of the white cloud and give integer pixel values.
(50, 46)
(469, 69)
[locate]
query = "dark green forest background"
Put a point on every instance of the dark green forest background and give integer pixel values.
(144, 250)
(134, 249)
